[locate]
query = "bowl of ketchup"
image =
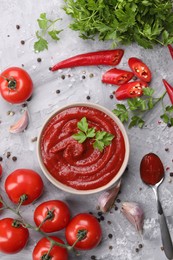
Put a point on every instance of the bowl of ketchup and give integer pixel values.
(77, 166)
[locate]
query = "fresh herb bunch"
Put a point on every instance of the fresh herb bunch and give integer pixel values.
(46, 27)
(133, 113)
(145, 22)
(101, 138)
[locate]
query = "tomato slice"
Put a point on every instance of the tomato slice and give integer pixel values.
(117, 76)
(130, 90)
(140, 69)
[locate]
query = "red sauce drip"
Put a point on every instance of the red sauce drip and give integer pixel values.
(80, 165)
(151, 169)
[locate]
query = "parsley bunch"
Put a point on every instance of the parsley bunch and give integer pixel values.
(133, 113)
(101, 138)
(45, 26)
(145, 22)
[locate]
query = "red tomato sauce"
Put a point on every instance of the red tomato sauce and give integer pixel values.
(80, 166)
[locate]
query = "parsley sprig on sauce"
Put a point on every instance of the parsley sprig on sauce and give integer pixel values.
(101, 138)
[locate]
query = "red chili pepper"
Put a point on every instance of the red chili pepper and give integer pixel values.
(140, 69)
(169, 90)
(117, 76)
(170, 50)
(107, 57)
(130, 90)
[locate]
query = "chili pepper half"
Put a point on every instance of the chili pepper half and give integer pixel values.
(107, 57)
(140, 69)
(116, 76)
(130, 90)
(170, 50)
(169, 90)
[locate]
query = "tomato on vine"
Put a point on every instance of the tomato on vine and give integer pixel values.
(44, 251)
(52, 215)
(13, 236)
(16, 85)
(86, 228)
(23, 186)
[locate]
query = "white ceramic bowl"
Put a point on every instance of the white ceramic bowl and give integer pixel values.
(91, 191)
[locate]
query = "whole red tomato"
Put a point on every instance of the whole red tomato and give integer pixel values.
(42, 247)
(88, 225)
(13, 236)
(23, 183)
(16, 85)
(57, 214)
(0, 170)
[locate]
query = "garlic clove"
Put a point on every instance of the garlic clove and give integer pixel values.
(21, 124)
(107, 198)
(134, 213)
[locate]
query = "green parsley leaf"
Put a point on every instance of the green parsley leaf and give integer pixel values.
(44, 25)
(83, 125)
(54, 34)
(91, 132)
(98, 145)
(80, 137)
(121, 112)
(41, 44)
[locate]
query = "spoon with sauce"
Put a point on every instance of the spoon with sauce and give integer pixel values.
(152, 174)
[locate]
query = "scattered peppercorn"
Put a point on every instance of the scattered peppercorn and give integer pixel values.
(93, 257)
(167, 168)
(88, 97)
(110, 235)
(166, 149)
(8, 154)
(111, 96)
(63, 76)
(171, 174)
(50, 68)
(29, 99)
(69, 75)
(110, 247)
(109, 222)
(1, 159)
(14, 158)
(17, 27)
(39, 59)
(162, 248)
(140, 246)
(116, 208)
(83, 77)
(91, 75)
(90, 213)
(100, 213)
(24, 105)
(118, 200)
(8, 35)
(169, 124)
(34, 139)
(102, 218)
(23, 65)
(58, 91)
(137, 250)
(22, 42)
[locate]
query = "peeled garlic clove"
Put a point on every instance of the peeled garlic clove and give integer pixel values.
(21, 124)
(107, 198)
(133, 212)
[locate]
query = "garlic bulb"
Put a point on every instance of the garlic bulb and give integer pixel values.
(133, 212)
(21, 124)
(107, 198)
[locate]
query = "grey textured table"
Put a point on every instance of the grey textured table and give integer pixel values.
(155, 137)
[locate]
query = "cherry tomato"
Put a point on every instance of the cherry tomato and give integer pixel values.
(16, 85)
(130, 90)
(140, 69)
(42, 247)
(57, 214)
(0, 170)
(88, 225)
(13, 236)
(116, 76)
(24, 183)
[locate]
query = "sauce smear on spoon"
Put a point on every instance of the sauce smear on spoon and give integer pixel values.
(151, 169)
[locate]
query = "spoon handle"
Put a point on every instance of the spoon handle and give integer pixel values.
(165, 234)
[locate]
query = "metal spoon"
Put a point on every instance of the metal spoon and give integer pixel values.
(151, 163)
